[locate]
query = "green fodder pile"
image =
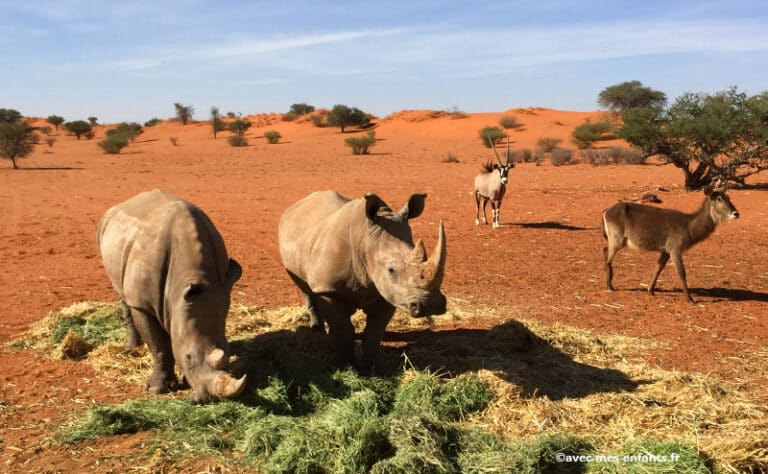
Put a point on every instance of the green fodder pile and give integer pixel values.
(455, 396)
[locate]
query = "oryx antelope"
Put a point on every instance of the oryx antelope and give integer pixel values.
(670, 231)
(491, 184)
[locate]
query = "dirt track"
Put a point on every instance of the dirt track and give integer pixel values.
(544, 264)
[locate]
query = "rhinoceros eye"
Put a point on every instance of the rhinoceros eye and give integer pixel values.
(392, 271)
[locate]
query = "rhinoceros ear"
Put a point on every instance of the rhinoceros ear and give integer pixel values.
(234, 272)
(414, 208)
(372, 205)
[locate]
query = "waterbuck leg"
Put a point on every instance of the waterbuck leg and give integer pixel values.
(377, 318)
(677, 260)
(663, 259)
(134, 339)
(477, 208)
(337, 315)
(609, 252)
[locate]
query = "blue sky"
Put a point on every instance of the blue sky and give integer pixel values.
(131, 60)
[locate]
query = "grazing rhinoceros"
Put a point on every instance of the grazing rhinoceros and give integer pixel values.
(348, 254)
(170, 268)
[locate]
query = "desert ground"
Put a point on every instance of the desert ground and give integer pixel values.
(544, 264)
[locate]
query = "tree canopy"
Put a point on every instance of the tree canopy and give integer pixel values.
(342, 116)
(629, 95)
(723, 135)
(17, 140)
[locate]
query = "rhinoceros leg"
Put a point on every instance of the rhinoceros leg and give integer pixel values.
(134, 339)
(163, 379)
(378, 316)
(337, 314)
(315, 323)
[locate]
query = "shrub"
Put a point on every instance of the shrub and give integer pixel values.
(521, 156)
(217, 125)
(113, 143)
(457, 113)
(17, 140)
(633, 156)
(237, 140)
(538, 155)
(129, 130)
(361, 145)
(93, 121)
(174, 140)
(587, 133)
(451, 158)
(44, 130)
(289, 117)
(55, 120)
(494, 134)
(510, 122)
(184, 112)
(50, 141)
(301, 109)
(342, 116)
(152, 122)
(547, 144)
(594, 157)
(272, 136)
(560, 156)
(239, 126)
(317, 120)
(9, 116)
(79, 127)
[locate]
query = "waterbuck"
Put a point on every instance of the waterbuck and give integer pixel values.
(667, 230)
(491, 184)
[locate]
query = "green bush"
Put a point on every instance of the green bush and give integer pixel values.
(55, 120)
(317, 120)
(272, 136)
(494, 134)
(152, 122)
(587, 133)
(78, 127)
(301, 109)
(289, 117)
(237, 140)
(342, 116)
(113, 143)
(128, 130)
(547, 144)
(17, 140)
(361, 145)
(239, 126)
(9, 116)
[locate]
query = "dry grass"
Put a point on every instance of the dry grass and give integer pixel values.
(546, 380)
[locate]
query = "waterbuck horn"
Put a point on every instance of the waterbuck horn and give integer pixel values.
(217, 359)
(226, 386)
(493, 147)
(719, 185)
(434, 268)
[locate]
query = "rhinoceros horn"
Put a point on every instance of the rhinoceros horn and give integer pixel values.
(226, 386)
(434, 268)
(217, 359)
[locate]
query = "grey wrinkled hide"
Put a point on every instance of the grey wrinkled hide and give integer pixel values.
(170, 268)
(347, 254)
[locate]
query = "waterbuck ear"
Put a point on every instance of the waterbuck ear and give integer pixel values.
(414, 208)
(234, 272)
(372, 205)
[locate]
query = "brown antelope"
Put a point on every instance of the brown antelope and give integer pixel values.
(670, 231)
(491, 184)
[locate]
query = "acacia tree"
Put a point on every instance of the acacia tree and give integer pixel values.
(723, 135)
(629, 95)
(55, 120)
(9, 116)
(78, 127)
(184, 112)
(17, 140)
(341, 116)
(217, 125)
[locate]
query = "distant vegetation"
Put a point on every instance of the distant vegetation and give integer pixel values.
(272, 136)
(239, 126)
(79, 128)
(55, 120)
(184, 112)
(342, 116)
(152, 122)
(629, 95)
(17, 139)
(298, 110)
(113, 144)
(510, 122)
(217, 124)
(93, 121)
(590, 132)
(547, 144)
(361, 145)
(494, 134)
(707, 136)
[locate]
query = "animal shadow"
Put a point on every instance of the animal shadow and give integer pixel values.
(730, 294)
(550, 225)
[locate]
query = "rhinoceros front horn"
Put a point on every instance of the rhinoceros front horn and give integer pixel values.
(434, 268)
(226, 386)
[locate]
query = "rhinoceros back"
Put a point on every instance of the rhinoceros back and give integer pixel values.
(153, 235)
